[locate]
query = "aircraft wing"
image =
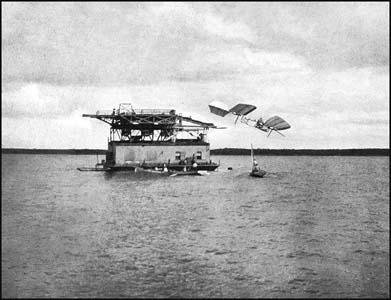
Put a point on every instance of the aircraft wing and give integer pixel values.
(218, 108)
(277, 122)
(221, 109)
(242, 109)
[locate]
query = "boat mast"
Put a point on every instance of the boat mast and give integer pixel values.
(252, 154)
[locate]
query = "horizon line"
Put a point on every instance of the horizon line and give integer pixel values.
(240, 148)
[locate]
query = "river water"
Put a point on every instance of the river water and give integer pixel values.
(313, 227)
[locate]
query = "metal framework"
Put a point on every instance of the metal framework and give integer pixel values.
(140, 125)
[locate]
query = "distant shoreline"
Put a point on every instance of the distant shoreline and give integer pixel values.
(224, 151)
(53, 151)
(299, 152)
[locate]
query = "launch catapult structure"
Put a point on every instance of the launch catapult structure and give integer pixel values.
(150, 138)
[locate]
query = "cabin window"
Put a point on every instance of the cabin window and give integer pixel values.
(199, 155)
(177, 155)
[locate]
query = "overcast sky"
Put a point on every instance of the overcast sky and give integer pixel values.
(323, 67)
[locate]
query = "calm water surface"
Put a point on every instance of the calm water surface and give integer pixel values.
(313, 227)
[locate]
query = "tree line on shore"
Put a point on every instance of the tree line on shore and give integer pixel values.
(322, 152)
(53, 151)
(224, 151)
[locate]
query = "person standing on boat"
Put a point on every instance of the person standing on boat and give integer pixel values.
(165, 168)
(255, 166)
(193, 162)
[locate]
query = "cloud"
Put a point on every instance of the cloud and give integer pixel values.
(124, 43)
(203, 21)
(64, 132)
(322, 67)
(221, 61)
(329, 35)
(80, 43)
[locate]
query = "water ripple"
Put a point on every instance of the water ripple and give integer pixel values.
(313, 227)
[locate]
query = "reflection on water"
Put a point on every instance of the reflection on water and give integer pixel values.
(312, 227)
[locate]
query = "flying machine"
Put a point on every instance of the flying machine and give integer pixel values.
(241, 111)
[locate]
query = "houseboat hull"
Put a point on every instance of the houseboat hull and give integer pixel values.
(122, 156)
(174, 167)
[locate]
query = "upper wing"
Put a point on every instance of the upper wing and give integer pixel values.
(277, 122)
(222, 110)
(218, 108)
(242, 109)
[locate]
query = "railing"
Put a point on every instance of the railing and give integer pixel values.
(155, 111)
(137, 111)
(104, 112)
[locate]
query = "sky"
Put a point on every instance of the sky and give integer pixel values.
(321, 66)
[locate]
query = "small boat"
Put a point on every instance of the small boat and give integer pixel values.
(186, 173)
(170, 173)
(98, 167)
(256, 171)
(153, 171)
(85, 169)
(259, 173)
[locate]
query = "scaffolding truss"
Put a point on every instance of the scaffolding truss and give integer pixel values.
(135, 125)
